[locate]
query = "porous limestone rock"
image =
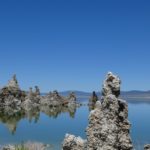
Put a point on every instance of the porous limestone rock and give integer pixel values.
(52, 99)
(13, 83)
(71, 98)
(32, 99)
(108, 128)
(111, 85)
(73, 143)
(11, 94)
(27, 104)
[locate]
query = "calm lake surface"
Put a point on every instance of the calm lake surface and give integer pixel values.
(51, 129)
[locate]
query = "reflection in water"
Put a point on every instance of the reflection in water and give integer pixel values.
(10, 117)
(138, 116)
(92, 101)
(47, 129)
(91, 106)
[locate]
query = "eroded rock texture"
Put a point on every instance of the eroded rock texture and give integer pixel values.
(11, 96)
(108, 127)
(111, 85)
(108, 124)
(74, 143)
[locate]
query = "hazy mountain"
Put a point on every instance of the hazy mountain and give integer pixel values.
(136, 94)
(131, 94)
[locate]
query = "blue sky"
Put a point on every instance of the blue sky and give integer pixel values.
(72, 44)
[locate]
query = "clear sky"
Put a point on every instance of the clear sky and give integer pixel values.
(72, 44)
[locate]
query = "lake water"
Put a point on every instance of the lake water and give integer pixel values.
(51, 128)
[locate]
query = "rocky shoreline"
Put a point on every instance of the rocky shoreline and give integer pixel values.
(108, 128)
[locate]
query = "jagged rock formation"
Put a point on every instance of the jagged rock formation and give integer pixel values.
(16, 104)
(72, 98)
(111, 85)
(92, 101)
(94, 97)
(54, 99)
(108, 127)
(13, 83)
(32, 99)
(147, 147)
(12, 96)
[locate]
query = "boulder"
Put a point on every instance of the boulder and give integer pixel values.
(73, 143)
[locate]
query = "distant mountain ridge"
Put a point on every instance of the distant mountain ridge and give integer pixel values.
(136, 93)
(133, 93)
(128, 94)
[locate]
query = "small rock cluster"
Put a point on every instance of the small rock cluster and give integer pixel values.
(109, 128)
